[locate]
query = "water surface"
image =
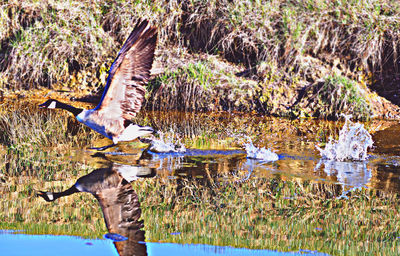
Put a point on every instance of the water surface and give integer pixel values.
(211, 174)
(22, 244)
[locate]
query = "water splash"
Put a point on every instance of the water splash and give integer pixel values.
(352, 144)
(163, 146)
(259, 153)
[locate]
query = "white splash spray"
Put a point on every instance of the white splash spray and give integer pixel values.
(353, 143)
(163, 146)
(259, 153)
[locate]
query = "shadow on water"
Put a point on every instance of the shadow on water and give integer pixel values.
(387, 141)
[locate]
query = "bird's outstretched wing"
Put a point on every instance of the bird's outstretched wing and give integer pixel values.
(125, 89)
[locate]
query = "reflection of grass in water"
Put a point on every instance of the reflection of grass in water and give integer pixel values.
(30, 128)
(259, 213)
(37, 143)
(89, 230)
(21, 209)
(268, 213)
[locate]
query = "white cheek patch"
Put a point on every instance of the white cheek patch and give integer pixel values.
(52, 105)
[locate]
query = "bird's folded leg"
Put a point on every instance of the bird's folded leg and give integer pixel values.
(104, 147)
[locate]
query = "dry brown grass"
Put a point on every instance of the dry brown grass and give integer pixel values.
(43, 42)
(282, 44)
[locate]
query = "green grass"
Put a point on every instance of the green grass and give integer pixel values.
(339, 94)
(204, 85)
(48, 43)
(280, 45)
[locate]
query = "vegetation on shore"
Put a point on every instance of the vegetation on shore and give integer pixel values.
(261, 56)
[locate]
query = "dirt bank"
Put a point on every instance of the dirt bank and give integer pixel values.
(283, 58)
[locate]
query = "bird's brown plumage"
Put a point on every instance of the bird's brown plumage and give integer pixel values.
(130, 72)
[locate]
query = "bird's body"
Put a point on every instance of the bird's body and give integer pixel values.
(97, 124)
(124, 92)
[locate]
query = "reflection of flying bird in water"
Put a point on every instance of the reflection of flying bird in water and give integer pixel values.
(124, 92)
(119, 202)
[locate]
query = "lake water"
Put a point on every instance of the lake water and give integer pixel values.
(214, 153)
(22, 244)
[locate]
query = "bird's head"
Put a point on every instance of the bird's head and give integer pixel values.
(48, 196)
(49, 104)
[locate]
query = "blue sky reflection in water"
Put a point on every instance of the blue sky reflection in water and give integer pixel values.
(22, 244)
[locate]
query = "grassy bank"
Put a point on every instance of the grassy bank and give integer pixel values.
(245, 55)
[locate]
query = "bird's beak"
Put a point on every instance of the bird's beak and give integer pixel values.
(43, 195)
(42, 105)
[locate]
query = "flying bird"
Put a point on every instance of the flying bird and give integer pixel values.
(124, 92)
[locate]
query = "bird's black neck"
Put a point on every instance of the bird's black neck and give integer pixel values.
(67, 192)
(75, 111)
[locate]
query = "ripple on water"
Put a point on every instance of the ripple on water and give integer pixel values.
(115, 237)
